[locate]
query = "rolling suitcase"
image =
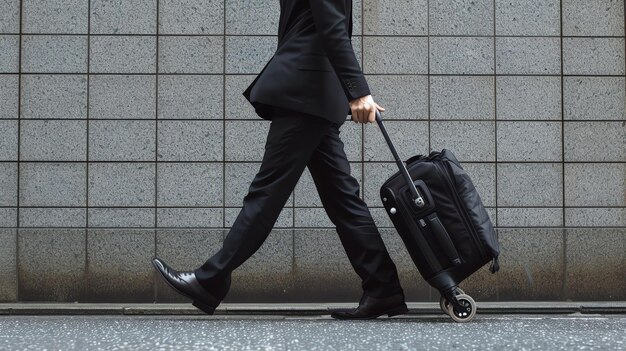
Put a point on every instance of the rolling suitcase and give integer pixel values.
(441, 219)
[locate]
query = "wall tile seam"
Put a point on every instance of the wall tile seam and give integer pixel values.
(150, 35)
(19, 114)
(429, 82)
(156, 139)
(374, 161)
(296, 207)
(306, 209)
(391, 74)
(302, 229)
(224, 50)
(50, 73)
(563, 202)
(285, 227)
(87, 221)
(495, 129)
(381, 35)
(156, 153)
(393, 119)
(362, 127)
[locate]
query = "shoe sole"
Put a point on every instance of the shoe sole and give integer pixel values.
(398, 310)
(390, 313)
(206, 308)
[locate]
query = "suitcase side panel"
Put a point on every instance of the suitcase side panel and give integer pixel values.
(476, 210)
(447, 212)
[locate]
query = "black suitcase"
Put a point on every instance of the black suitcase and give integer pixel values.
(441, 219)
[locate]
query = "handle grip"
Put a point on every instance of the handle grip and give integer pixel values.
(444, 239)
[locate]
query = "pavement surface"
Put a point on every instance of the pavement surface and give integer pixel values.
(574, 331)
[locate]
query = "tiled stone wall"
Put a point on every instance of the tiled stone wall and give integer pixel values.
(124, 134)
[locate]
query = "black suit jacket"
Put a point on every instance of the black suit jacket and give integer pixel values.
(314, 69)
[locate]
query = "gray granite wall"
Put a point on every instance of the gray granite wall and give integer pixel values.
(124, 134)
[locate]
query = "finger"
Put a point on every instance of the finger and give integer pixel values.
(367, 108)
(371, 117)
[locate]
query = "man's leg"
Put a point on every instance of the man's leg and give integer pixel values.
(290, 142)
(339, 192)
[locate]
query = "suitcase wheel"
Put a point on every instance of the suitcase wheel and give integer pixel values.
(466, 314)
(443, 301)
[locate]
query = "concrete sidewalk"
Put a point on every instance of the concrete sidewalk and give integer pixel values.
(534, 307)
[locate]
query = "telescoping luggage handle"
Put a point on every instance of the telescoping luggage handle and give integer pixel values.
(417, 198)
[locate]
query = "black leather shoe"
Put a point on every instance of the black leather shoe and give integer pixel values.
(186, 284)
(371, 307)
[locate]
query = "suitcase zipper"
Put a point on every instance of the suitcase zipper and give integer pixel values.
(461, 206)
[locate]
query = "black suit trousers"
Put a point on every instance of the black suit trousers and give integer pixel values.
(297, 140)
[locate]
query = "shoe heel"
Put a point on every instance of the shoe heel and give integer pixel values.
(397, 310)
(204, 307)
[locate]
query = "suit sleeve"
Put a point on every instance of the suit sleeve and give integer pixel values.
(329, 17)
